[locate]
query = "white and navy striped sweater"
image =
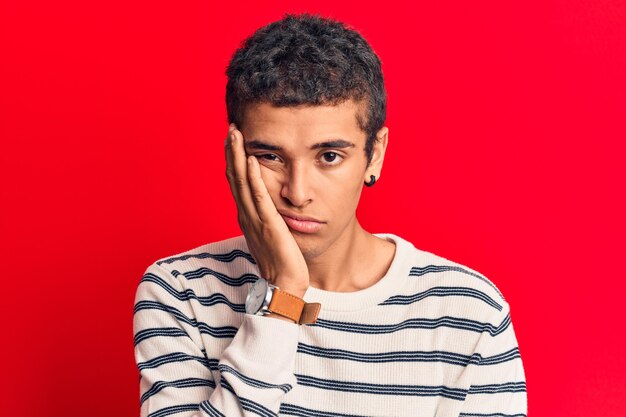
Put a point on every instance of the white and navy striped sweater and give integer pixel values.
(431, 338)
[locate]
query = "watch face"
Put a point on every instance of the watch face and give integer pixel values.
(256, 296)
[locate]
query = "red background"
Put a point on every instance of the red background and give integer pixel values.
(506, 154)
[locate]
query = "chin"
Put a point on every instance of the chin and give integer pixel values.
(309, 245)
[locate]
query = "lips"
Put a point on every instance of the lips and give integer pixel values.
(298, 217)
(302, 226)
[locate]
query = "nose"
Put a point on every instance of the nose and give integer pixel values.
(296, 186)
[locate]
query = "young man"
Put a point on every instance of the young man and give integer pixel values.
(360, 324)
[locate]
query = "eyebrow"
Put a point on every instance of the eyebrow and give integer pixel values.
(337, 143)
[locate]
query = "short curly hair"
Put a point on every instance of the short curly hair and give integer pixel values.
(308, 60)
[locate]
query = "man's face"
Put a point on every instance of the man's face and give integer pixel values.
(313, 164)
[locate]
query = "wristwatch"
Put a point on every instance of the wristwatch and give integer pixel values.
(264, 298)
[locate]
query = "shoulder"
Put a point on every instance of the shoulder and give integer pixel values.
(214, 254)
(225, 263)
(434, 274)
(454, 272)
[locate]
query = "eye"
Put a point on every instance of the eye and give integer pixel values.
(331, 158)
(268, 156)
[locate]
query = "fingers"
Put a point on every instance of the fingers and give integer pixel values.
(265, 207)
(237, 173)
(246, 184)
(230, 168)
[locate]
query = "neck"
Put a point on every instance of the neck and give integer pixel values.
(341, 267)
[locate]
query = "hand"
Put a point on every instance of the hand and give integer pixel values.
(274, 249)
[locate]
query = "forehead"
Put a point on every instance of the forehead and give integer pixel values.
(302, 125)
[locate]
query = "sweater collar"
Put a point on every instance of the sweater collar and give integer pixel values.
(375, 294)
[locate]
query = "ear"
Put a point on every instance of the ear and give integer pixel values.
(378, 154)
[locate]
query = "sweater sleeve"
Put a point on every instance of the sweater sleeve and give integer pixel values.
(497, 379)
(252, 375)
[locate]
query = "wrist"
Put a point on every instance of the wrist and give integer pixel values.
(298, 292)
(281, 302)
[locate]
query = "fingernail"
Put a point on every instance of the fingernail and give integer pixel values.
(231, 126)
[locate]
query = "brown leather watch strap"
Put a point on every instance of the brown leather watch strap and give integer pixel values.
(286, 304)
(309, 313)
(293, 307)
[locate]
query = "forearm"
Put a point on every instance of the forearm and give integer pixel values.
(255, 369)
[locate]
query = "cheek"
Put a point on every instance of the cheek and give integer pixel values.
(343, 195)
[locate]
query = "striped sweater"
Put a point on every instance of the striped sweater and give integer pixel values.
(431, 338)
